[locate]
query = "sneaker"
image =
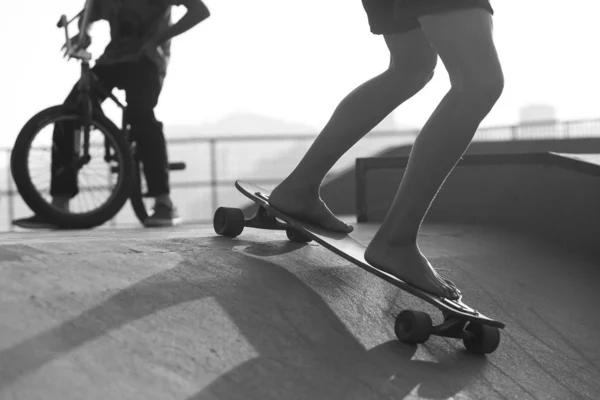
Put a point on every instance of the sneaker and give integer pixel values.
(163, 215)
(34, 222)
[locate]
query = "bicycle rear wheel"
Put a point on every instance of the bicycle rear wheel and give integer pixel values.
(108, 152)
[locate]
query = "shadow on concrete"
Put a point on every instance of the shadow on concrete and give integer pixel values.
(303, 349)
(384, 372)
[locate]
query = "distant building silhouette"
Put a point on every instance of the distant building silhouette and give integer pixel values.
(534, 120)
(532, 113)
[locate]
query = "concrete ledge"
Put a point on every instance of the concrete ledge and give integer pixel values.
(546, 194)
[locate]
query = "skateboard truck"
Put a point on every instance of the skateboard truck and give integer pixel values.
(262, 220)
(231, 222)
(414, 327)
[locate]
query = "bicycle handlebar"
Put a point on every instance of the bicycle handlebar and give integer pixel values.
(70, 50)
(76, 52)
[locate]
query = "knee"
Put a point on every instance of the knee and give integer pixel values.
(489, 88)
(417, 72)
(483, 88)
(140, 115)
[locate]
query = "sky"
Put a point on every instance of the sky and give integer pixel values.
(295, 61)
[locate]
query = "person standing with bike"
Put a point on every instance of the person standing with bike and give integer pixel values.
(135, 60)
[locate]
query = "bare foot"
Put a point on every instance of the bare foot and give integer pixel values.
(306, 206)
(409, 264)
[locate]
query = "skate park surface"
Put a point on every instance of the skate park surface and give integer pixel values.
(182, 313)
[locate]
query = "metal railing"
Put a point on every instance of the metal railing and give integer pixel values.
(214, 163)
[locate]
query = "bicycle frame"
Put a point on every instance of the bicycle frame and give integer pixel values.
(87, 82)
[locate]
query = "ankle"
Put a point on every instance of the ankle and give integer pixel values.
(163, 200)
(61, 202)
(400, 241)
(295, 184)
(397, 238)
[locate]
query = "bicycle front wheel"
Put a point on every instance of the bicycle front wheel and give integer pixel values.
(96, 170)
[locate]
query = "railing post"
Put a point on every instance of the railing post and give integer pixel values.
(213, 173)
(513, 132)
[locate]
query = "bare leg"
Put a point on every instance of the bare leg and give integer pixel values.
(463, 39)
(411, 68)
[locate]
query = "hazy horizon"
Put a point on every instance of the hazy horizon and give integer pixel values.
(260, 58)
(273, 67)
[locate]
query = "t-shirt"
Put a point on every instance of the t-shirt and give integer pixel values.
(132, 22)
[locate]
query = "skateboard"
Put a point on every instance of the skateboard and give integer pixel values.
(479, 333)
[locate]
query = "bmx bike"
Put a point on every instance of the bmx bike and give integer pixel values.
(115, 154)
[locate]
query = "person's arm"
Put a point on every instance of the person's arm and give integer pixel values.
(95, 15)
(196, 13)
(82, 39)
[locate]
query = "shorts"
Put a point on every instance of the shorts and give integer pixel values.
(388, 17)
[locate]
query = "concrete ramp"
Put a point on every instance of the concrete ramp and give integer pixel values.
(184, 314)
(544, 194)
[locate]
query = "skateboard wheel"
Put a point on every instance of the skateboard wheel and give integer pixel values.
(481, 339)
(229, 221)
(297, 236)
(413, 327)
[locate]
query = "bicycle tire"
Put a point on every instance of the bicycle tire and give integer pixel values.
(35, 201)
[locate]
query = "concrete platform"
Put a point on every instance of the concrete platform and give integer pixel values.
(184, 314)
(555, 196)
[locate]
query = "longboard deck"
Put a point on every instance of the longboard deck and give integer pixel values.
(353, 250)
